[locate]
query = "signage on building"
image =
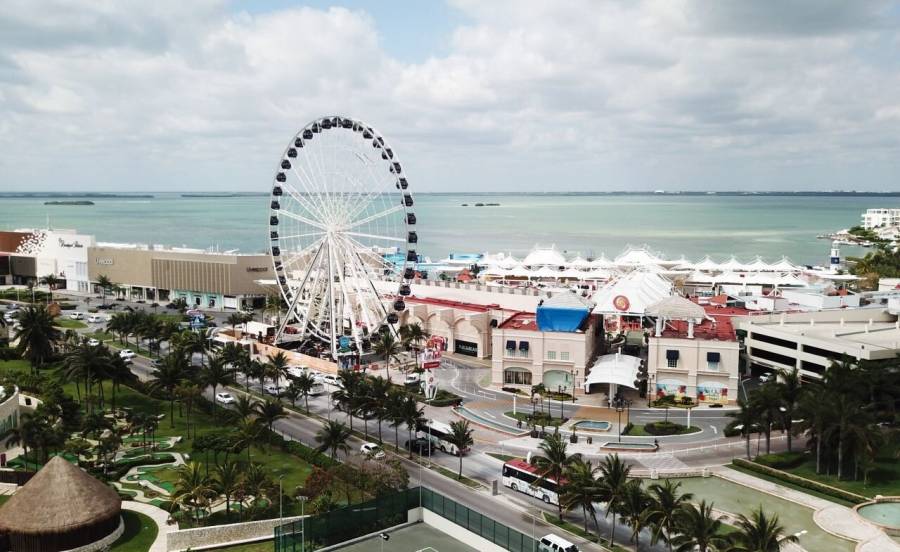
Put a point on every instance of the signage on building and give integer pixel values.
(620, 302)
(107, 261)
(430, 358)
(257, 269)
(75, 244)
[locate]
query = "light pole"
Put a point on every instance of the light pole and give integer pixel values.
(559, 389)
(302, 500)
(649, 386)
(619, 408)
(280, 499)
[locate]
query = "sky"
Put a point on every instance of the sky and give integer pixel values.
(506, 95)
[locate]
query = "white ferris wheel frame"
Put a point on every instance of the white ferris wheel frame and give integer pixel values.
(341, 191)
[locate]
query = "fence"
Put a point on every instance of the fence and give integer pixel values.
(387, 511)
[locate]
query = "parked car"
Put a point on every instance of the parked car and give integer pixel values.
(765, 377)
(372, 450)
(95, 319)
(332, 379)
(127, 354)
(76, 315)
(224, 398)
(412, 379)
(421, 446)
(274, 390)
(554, 543)
(93, 342)
(156, 363)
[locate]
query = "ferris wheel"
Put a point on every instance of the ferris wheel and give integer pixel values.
(340, 218)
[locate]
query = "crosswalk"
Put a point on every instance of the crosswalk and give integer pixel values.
(661, 462)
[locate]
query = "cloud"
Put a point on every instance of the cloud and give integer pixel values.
(529, 95)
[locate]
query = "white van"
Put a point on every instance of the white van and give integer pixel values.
(553, 543)
(95, 319)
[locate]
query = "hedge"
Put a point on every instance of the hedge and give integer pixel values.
(800, 481)
(782, 460)
(663, 428)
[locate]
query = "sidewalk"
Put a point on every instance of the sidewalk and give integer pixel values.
(158, 515)
(832, 518)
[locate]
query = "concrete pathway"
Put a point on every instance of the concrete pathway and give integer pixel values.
(158, 515)
(832, 518)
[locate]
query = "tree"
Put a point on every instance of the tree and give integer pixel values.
(394, 411)
(333, 437)
(633, 506)
(227, 478)
(168, 376)
(817, 414)
(235, 319)
(760, 533)
(387, 348)
(767, 404)
(189, 394)
(51, 281)
(662, 515)
(613, 477)
(216, 373)
(553, 462)
(791, 393)
(254, 370)
(193, 489)
(36, 335)
(304, 385)
(746, 417)
(277, 367)
(413, 335)
(245, 407)
(411, 415)
(270, 412)
(461, 438)
(698, 529)
(105, 284)
(379, 388)
(581, 489)
(292, 393)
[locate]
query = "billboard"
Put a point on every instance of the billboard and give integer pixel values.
(430, 358)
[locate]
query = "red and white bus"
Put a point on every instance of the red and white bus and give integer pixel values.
(439, 435)
(521, 476)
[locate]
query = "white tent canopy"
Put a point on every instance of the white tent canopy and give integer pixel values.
(640, 290)
(602, 262)
(785, 265)
(544, 257)
(615, 369)
(640, 256)
(677, 308)
(707, 265)
(733, 265)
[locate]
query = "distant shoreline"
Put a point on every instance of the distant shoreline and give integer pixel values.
(687, 193)
(73, 195)
(77, 202)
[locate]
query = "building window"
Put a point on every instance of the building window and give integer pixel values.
(517, 376)
(712, 361)
(773, 340)
(551, 355)
(564, 355)
(523, 353)
(672, 358)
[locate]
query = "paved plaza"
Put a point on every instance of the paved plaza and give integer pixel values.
(414, 538)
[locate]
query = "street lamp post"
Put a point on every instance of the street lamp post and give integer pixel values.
(619, 405)
(302, 500)
(649, 386)
(559, 391)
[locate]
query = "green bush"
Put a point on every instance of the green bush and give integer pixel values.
(782, 460)
(800, 481)
(628, 427)
(7, 353)
(67, 306)
(122, 466)
(663, 428)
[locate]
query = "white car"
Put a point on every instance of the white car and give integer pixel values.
(765, 377)
(95, 319)
(127, 354)
(93, 342)
(411, 379)
(224, 398)
(331, 379)
(274, 390)
(371, 450)
(76, 316)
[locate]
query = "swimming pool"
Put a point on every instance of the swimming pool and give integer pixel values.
(592, 425)
(885, 514)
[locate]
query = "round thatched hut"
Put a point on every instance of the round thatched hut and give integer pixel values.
(61, 508)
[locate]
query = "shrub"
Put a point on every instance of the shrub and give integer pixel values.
(628, 427)
(512, 390)
(663, 428)
(67, 306)
(782, 460)
(7, 353)
(800, 481)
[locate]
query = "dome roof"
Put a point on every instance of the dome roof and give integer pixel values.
(59, 498)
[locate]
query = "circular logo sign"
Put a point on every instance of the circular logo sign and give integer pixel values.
(621, 303)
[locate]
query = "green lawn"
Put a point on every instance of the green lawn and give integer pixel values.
(639, 431)
(3, 499)
(261, 546)
(14, 366)
(65, 322)
(504, 457)
(101, 336)
(883, 480)
(524, 416)
(140, 532)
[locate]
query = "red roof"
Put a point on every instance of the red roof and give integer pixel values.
(719, 328)
(522, 465)
(454, 304)
(520, 321)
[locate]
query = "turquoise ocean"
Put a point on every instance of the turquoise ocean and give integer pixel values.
(694, 226)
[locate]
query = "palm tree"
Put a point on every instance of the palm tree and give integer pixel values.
(216, 373)
(461, 437)
(613, 479)
(167, 377)
(699, 529)
(292, 393)
(379, 388)
(760, 533)
(791, 393)
(234, 319)
(254, 370)
(36, 335)
(553, 463)
(394, 411)
(51, 281)
(662, 516)
(118, 373)
(817, 414)
(387, 348)
(633, 507)
(105, 284)
(413, 335)
(746, 416)
(581, 489)
(411, 415)
(767, 401)
(245, 407)
(303, 384)
(248, 430)
(333, 436)
(227, 477)
(193, 489)
(270, 412)
(277, 367)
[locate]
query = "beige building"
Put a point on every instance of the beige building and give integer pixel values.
(524, 355)
(697, 358)
(207, 280)
(465, 327)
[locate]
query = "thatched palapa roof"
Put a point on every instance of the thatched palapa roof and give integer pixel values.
(59, 498)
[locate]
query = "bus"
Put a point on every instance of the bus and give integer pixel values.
(521, 476)
(439, 434)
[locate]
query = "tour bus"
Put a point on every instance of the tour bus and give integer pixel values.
(521, 476)
(439, 434)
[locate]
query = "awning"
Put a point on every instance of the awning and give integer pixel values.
(713, 357)
(616, 369)
(510, 345)
(671, 354)
(523, 345)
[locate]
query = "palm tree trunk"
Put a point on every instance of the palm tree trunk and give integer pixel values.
(840, 452)
(612, 535)
(819, 453)
(460, 466)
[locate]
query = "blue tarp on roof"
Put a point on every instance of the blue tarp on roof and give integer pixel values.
(560, 319)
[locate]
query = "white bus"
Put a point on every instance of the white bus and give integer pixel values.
(439, 434)
(521, 476)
